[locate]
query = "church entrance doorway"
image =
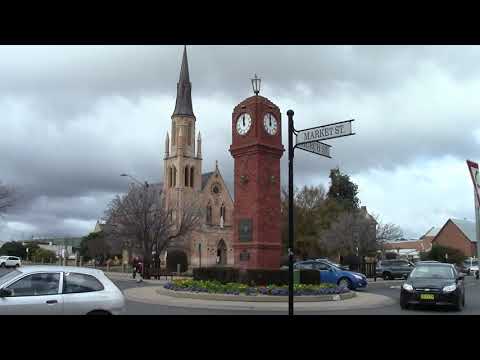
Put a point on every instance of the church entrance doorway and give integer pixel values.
(175, 257)
(221, 253)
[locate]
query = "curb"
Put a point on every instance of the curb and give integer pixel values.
(258, 298)
(149, 295)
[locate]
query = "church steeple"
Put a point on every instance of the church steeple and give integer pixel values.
(183, 105)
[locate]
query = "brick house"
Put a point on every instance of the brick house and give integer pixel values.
(412, 248)
(458, 234)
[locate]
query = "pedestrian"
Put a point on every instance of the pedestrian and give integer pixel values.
(140, 271)
(136, 260)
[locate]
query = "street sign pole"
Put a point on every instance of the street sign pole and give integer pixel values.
(308, 140)
(475, 175)
(290, 211)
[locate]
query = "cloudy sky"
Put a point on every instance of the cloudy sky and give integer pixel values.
(72, 118)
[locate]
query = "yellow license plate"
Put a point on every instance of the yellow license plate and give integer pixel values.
(427, 297)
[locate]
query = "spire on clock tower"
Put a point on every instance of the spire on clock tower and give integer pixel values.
(183, 105)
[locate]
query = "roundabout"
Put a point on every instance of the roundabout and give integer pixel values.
(157, 295)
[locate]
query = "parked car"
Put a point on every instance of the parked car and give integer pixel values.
(59, 290)
(433, 284)
(343, 267)
(469, 266)
(391, 269)
(332, 274)
(10, 261)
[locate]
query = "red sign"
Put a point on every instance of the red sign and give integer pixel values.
(475, 174)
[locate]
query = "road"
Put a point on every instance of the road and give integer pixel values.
(472, 304)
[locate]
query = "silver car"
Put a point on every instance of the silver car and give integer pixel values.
(59, 290)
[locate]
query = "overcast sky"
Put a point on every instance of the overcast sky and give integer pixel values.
(72, 118)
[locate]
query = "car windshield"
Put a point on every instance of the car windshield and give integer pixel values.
(468, 263)
(4, 277)
(432, 272)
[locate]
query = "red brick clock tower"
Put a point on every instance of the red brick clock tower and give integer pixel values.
(257, 149)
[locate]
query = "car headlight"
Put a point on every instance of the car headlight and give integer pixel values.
(449, 288)
(407, 287)
(359, 277)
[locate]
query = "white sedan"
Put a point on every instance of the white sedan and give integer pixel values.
(59, 290)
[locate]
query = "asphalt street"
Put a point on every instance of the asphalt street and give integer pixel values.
(472, 304)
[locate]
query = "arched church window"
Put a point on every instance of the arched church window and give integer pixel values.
(223, 213)
(169, 176)
(174, 176)
(191, 176)
(189, 134)
(186, 176)
(209, 214)
(174, 134)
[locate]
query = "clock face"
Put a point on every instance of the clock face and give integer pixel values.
(270, 124)
(244, 123)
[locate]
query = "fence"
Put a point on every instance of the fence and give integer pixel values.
(366, 268)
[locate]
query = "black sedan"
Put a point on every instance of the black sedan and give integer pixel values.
(433, 284)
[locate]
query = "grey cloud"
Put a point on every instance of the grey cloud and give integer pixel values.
(74, 118)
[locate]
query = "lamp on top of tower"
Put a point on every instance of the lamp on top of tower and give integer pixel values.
(256, 81)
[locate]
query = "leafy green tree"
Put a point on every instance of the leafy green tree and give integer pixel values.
(14, 248)
(39, 254)
(343, 190)
(438, 252)
(95, 246)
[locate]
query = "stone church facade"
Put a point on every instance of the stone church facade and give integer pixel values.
(184, 183)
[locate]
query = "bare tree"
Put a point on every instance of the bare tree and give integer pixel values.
(387, 232)
(6, 198)
(352, 233)
(142, 217)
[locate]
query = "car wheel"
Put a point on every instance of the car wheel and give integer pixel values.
(18, 265)
(98, 312)
(387, 276)
(345, 282)
(403, 305)
(2, 265)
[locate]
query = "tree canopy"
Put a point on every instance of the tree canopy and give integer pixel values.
(14, 248)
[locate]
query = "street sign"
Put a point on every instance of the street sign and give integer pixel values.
(316, 147)
(330, 131)
(475, 174)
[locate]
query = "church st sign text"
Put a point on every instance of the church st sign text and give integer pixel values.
(317, 148)
(325, 132)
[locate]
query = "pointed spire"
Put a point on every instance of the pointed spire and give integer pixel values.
(167, 145)
(199, 146)
(183, 105)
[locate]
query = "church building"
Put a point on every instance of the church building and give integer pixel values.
(184, 182)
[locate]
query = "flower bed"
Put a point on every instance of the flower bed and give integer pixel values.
(215, 287)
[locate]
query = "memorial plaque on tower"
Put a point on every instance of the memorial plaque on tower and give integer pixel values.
(245, 230)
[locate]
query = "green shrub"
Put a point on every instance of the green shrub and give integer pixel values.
(221, 274)
(438, 252)
(311, 277)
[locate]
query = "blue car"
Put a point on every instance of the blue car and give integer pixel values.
(329, 273)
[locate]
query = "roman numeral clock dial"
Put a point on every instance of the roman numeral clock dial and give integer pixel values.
(270, 124)
(244, 123)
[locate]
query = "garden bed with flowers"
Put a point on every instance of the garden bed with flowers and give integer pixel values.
(242, 290)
